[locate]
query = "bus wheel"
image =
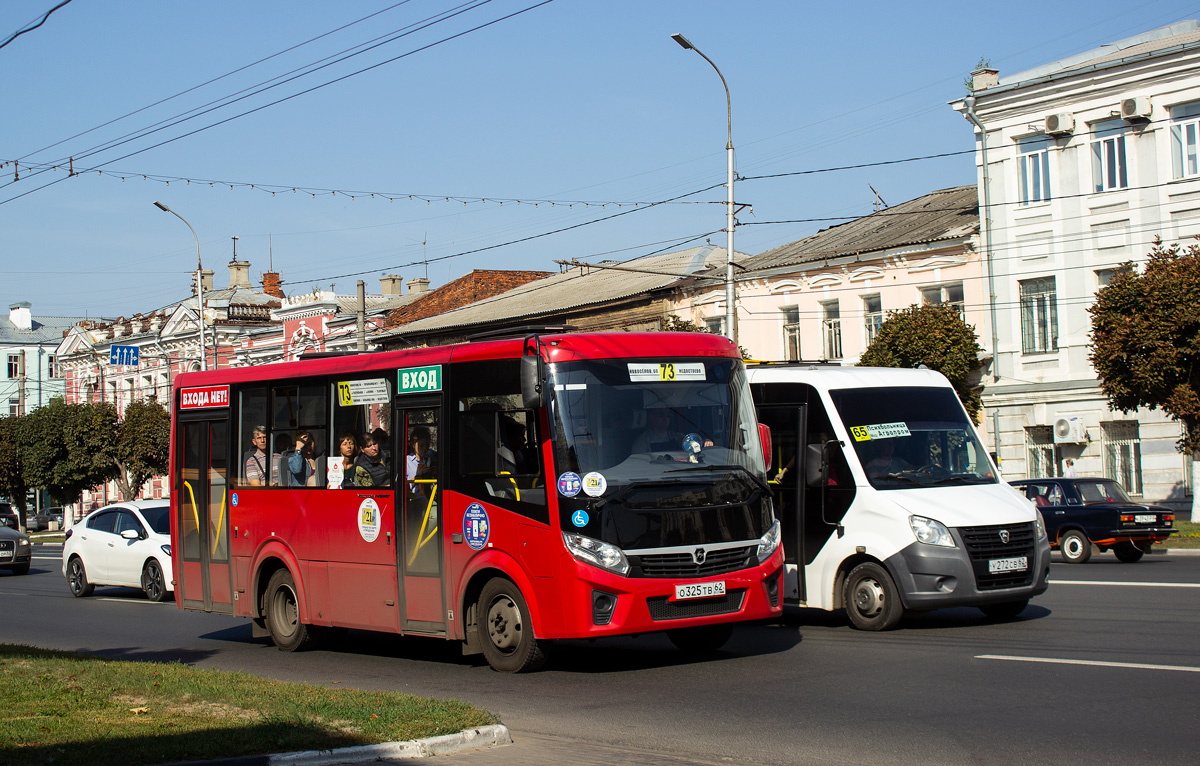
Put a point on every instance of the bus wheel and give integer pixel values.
(1004, 611)
(508, 642)
(283, 614)
(77, 578)
(700, 641)
(1075, 547)
(1128, 552)
(872, 601)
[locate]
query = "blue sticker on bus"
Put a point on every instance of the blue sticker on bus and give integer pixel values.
(233, 499)
(476, 528)
(579, 518)
(570, 484)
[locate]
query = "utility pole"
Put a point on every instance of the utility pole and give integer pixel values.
(362, 317)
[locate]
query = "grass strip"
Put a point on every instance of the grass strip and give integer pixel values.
(63, 708)
(1188, 536)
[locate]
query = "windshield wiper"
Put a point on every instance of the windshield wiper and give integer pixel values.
(963, 480)
(723, 467)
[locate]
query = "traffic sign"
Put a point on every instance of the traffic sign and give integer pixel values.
(127, 355)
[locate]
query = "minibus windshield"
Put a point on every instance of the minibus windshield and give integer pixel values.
(912, 436)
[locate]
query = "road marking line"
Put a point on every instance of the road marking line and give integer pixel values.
(1130, 584)
(128, 601)
(1054, 661)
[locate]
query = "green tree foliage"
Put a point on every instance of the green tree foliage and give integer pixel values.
(67, 448)
(935, 336)
(142, 446)
(1146, 338)
(12, 475)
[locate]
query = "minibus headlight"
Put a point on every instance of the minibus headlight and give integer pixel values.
(597, 553)
(1040, 525)
(769, 543)
(931, 532)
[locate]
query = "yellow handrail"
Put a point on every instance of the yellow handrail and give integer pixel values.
(422, 538)
(195, 508)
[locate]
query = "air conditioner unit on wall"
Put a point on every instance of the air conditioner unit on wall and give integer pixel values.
(1135, 109)
(1070, 430)
(1062, 124)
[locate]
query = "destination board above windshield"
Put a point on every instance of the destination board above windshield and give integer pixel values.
(669, 372)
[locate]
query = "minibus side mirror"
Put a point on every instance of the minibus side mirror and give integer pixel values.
(533, 382)
(814, 465)
(764, 437)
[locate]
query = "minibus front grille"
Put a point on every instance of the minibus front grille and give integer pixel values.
(986, 543)
(683, 565)
(662, 608)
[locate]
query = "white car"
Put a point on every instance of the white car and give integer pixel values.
(122, 544)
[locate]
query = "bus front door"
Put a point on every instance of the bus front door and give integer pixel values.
(788, 423)
(201, 504)
(420, 550)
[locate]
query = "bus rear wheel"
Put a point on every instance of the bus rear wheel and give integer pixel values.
(282, 611)
(872, 600)
(508, 641)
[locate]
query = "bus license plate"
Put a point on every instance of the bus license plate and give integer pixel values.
(1145, 518)
(1017, 564)
(699, 590)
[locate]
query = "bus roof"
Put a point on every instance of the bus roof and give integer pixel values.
(829, 377)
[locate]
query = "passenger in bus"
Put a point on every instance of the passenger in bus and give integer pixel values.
(511, 452)
(302, 461)
(385, 445)
(421, 455)
(347, 455)
(254, 466)
(370, 469)
(885, 460)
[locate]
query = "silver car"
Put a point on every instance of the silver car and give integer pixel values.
(15, 551)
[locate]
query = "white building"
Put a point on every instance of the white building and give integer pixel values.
(31, 373)
(1088, 159)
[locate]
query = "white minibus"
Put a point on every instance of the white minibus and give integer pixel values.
(887, 500)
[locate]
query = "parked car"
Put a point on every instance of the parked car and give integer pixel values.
(15, 551)
(41, 522)
(9, 517)
(1080, 513)
(125, 544)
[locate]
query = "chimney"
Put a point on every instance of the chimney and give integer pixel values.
(985, 78)
(271, 284)
(417, 286)
(20, 315)
(390, 284)
(206, 276)
(239, 274)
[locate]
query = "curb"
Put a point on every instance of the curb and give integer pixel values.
(1179, 552)
(495, 735)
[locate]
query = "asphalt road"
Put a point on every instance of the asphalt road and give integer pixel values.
(1103, 668)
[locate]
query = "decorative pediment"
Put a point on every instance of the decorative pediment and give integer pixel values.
(714, 296)
(786, 286)
(76, 341)
(937, 262)
(825, 280)
(183, 321)
(865, 273)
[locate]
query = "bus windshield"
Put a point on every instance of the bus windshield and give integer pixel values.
(916, 436)
(633, 421)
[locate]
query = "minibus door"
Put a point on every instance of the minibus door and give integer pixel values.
(419, 486)
(202, 520)
(788, 423)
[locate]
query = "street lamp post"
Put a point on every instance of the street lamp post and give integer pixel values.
(730, 309)
(199, 282)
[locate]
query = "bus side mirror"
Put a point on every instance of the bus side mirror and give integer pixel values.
(533, 382)
(764, 436)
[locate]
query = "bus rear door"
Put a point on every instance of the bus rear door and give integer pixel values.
(788, 423)
(421, 561)
(201, 502)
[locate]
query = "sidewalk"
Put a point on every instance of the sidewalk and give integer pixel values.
(540, 750)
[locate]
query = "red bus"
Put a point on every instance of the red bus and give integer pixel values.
(502, 493)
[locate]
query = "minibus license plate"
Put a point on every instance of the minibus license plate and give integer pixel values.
(1145, 518)
(699, 590)
(1017, 564)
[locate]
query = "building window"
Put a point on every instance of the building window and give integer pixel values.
(831, 327)
(791, 333)
(1184, 129)
(1033, 161)
(1108, 157)
(951, 293)
(715, 325)
(872, 316)
(1039, 316)
(14, 366)
(1103, 277)
(1121, 446)
(51, 367)
(1042, 454)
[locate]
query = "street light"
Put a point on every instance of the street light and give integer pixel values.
(199, 281)
(730, 311)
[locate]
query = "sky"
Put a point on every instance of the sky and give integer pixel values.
(345, 141)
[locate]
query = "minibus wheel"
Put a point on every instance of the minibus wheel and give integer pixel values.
(282, 610)
(507, 629)
(705, 639)
(872, 601)
(1075, 547)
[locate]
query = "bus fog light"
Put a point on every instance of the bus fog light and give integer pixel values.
(931, 532)
(769, 543)
(597, 553)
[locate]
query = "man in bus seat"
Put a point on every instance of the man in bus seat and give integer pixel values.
(370, 469)
(886, 460)
(254, 466)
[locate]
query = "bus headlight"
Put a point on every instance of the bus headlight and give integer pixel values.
(597, 553)
(1040, 525)
(931, 532)
(769, 543)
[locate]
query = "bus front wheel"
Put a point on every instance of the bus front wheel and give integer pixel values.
(508, 641)
(872, 601)
(282, 610)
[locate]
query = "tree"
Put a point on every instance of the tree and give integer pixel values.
(67, 448)
(1146, 340)
(933, 335)
(12, 475)
(142, 446)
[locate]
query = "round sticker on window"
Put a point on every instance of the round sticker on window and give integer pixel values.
(579, 518)
(233, 499)
(476, 527)
(370, 519)
(569, 484)
(594, 484)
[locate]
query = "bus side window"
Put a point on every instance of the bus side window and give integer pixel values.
(253, 465)
(299, 434)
